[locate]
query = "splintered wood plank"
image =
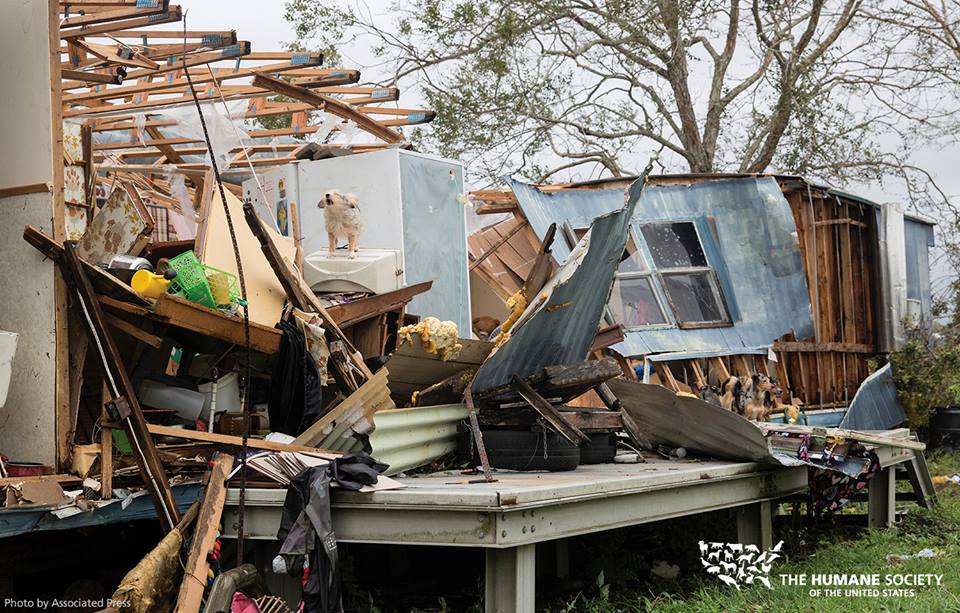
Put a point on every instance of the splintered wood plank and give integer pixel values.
(210, 322)
(204, 536)
(350, 313)
(369, 398)
(549, 412)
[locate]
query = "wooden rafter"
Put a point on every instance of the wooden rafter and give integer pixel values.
(328, 104)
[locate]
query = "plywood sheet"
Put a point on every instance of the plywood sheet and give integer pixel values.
(265, 295)
(413, 368)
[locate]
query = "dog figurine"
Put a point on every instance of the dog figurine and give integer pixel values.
(341, 214)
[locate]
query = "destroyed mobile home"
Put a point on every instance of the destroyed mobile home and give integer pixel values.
(211, 325)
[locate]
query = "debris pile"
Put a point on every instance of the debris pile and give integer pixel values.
(233, 326)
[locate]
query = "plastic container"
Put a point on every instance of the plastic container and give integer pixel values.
(187, 403)
(202, 284)
(149, 284)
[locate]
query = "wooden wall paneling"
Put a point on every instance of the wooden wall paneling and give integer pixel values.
(63, 420)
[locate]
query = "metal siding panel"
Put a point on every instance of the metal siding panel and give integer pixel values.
(875, 405)
(431, 198)
(756, 241)
(562, 330)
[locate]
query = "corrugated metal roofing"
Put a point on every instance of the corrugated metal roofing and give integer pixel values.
(410, 438)
(562, 329)
(875, 405)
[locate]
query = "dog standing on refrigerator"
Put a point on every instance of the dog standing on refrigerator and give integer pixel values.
(341, 214)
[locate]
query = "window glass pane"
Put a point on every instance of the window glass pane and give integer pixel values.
(695, 297)
(633, 302)
(674, 245)
(631, 260)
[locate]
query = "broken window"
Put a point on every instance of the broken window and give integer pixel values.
(633, 301)
(691, 285)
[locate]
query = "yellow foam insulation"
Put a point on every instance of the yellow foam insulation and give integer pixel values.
(438, 337)
(147, 586)
(517, 305)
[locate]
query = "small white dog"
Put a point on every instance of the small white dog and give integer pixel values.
(341, 212)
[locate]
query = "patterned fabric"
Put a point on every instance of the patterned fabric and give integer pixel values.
(830, 490)
(74, 181)
(163, 230)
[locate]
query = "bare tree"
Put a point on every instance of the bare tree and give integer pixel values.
(547, 86)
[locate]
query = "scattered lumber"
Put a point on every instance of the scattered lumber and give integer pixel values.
(549, 413)
(873, 438)
(233, 441)
(124, 403)
(563, 382)
(353, 414)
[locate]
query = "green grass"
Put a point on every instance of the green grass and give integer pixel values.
(815, 552)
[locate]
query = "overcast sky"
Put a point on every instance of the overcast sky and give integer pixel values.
(261, 22)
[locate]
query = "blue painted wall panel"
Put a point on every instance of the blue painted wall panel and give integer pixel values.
(756, 254)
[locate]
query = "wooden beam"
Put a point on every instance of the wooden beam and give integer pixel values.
(122, 392)
(106, 446)
(24, 190)
(800, 347)
(177, 34)
(172, 15)
(240, 49)
(104, 281)
(204, 536)
(113, 77)
(89, 18)
(311, 59)
(549, 412)
(233, 441)
(349, 313)
(328, 104)
(134, 331)
(856, 435)
(211, 322)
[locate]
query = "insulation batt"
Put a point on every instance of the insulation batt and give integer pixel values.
(438, 337)
(150, 583)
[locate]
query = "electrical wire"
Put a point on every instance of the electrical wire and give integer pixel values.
(243, 295)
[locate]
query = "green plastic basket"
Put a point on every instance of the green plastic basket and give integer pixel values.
(202, 284)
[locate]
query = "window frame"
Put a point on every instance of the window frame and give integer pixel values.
(669, 321)
(710, 269)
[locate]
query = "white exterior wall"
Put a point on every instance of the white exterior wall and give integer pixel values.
(27, 420)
